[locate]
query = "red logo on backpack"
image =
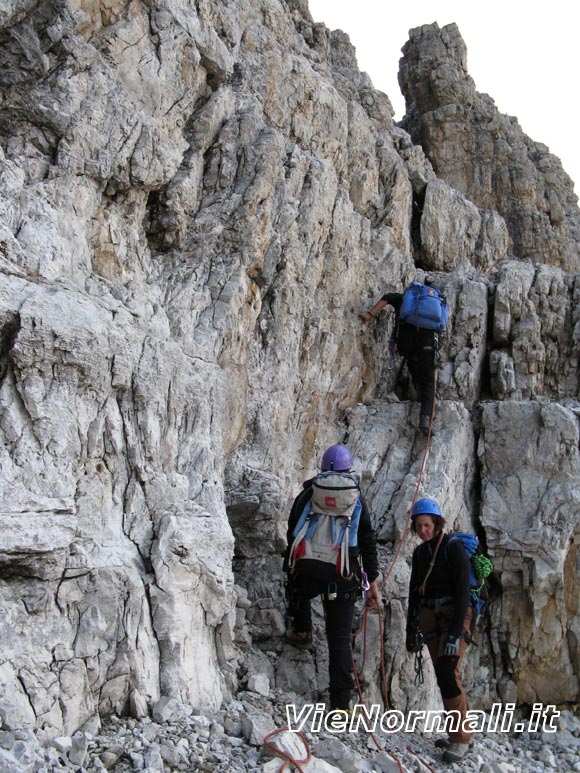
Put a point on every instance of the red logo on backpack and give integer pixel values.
(330, 501)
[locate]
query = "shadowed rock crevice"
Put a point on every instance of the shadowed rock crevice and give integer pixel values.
(8, 334)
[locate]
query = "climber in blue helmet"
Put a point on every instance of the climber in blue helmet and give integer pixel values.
(439, 608)
(330, 504)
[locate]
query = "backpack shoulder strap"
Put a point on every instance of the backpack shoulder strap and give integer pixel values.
(354, 523)
(431, 565)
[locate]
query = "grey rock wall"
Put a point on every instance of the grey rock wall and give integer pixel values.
(530, 507)
(197, 199)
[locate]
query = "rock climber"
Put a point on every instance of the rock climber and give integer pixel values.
(310, 576)
(419, 346)
(439, 593)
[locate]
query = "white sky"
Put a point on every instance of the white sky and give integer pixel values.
(523, 54)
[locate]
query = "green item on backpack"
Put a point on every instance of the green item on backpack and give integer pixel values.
(480, 567)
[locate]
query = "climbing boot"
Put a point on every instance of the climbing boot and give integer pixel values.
(442, 743)
(301, 640)
(455, 752)
(424, 422)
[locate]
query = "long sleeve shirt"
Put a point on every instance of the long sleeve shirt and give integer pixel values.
(449, 578)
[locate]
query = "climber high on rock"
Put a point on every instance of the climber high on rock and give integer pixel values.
(421, 312)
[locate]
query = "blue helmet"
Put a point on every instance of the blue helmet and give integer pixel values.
(337, 458)
(426, 507)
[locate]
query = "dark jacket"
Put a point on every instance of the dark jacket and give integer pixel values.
(448, 579)
(367, 543)
(410, 339)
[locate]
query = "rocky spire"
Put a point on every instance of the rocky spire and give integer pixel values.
(485, 154)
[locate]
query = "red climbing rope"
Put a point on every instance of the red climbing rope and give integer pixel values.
(415, 495)
(421, 760)
(288, 760)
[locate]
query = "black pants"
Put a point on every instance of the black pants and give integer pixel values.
(338, 617)
(423, 374)
(418, 347)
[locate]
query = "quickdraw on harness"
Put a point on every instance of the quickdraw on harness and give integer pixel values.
(436, 353)
(419, 675)
(418, 642)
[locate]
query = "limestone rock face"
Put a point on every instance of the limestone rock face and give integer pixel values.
(196, 201)
(446, 242)
(188, 194)
(483, 154)
(530, 513)
(534, 332)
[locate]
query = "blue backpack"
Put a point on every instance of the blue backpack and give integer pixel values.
(424, 307)
(480, 567)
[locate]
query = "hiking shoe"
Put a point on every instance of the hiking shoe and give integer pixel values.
(442, 743)
(424, 422)
(301, 640)
(455, 752)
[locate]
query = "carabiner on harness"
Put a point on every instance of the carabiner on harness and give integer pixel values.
(419, 675)
(365, 585)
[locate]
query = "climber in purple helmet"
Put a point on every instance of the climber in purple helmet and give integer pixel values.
(336, 458)
(339, 589)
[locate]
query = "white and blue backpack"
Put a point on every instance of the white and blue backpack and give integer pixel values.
(424, 307)
(327, 527)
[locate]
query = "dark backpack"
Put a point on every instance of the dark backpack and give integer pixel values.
(328, 527)
(424, 307)
(480, 567)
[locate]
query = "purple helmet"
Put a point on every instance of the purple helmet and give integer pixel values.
(337, 458)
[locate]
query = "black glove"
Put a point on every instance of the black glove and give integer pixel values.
(391, 298)
(452, 645)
